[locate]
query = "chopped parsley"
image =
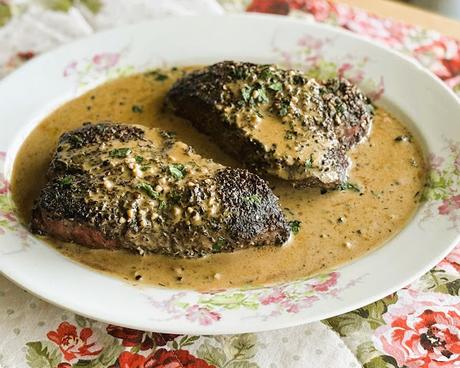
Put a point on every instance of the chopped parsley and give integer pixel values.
(261, 95)
(76, 139)
(266, 73)
(177, 171)
(349, 186)
(161, 77)
(66, 181)
(219, 244)
(120, 152)
(162, 205)
(309, 162)
(276, 86)
(340, 108)
(175, 197)
(246, 93)
(295, 226)
(239, 73)
(158, 75)
(137, 109)
(147, 188)
(283, 109)
(254, 199)
(253, 96)
(139, 159)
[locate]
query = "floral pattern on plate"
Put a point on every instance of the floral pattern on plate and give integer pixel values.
(267, 302)
(442, 193)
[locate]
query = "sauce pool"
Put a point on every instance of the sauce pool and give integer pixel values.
(336, 227)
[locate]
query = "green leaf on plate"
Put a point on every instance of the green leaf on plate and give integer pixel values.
(93, 5)
(5, 13)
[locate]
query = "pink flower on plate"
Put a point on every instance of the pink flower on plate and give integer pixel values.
(449, 205)
(105, 60)
(275, 296)
(451, 263)
(422, 330)
(435, 161)
(204, 316)
(296, 307)
(70, 69)
(4, 186)
(457, 162)
(324, 285)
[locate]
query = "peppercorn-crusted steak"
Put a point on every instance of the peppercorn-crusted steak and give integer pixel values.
(276, 120)
(123, 186)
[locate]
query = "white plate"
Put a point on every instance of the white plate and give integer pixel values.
(33, 91)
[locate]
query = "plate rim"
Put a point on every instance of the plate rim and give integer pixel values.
(214, 329)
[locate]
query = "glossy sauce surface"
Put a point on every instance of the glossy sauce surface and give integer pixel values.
(335, 227)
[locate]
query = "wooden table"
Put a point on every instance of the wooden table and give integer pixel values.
(409, 14)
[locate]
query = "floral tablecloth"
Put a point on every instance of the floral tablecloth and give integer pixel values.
(417, 327)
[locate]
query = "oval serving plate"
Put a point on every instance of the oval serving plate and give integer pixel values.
(406, 89)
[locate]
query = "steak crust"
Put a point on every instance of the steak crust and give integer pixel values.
(276, 121)
(123, 186)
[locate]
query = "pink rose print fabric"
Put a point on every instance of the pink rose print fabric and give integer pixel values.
(422, 330)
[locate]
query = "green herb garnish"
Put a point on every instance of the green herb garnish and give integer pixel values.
(309, 162)
(161, 77)
(139, 159)
(147, 188)
(120, 152)
(162, 205)
(157, 75)
(276, 86)
(175, 197)
(266, 73)
(177, 171)
(283, 109)
(137, 109)
(295, 226)
(246, 93)
(255, 199)
(261, 95)
(66, 181)
(349, 186)
(168, 135)
(219, 244)
(76, 139)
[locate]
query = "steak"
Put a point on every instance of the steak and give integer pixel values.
(276, 121)
(125, 186)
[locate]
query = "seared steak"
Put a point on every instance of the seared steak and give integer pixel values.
(123, 186)
(276, 120)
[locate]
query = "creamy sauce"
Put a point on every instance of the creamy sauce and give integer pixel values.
(336, 227)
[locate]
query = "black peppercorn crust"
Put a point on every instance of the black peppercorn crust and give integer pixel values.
(122, 186)
(276, 121)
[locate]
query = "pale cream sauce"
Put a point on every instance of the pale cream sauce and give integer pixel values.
(336, 227)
